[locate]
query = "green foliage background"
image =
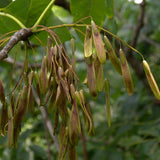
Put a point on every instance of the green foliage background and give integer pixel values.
(135, 130)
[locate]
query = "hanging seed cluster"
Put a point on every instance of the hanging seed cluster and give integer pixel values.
(57, 88)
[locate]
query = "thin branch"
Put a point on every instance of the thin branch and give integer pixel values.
(22, 34)
(46, 120)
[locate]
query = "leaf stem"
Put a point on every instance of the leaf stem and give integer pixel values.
(43, 13)
(84, 25)
(14, 19)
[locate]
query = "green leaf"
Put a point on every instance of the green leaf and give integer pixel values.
(110, 8)
(27, 11)
(95, 8)
(35, 9)
(4, 3)
(19, 9)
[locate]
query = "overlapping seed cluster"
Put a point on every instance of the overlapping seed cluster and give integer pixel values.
(57, 89)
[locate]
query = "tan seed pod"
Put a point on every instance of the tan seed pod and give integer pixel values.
(72, 90)
(11, 122)
(88, 43)
(2, 94)
(98, 43)
(3, 118)
(37, 81)
(151, 80)
(87, 107)
(107, 90)
(43, 76)
(22, 107)
(31, 101)
(126, 73)
(112, 55)
(59, 95)
(99, 75)
(51, 105)
(64, 83)
(64, 145)
(81, 101)
(74, 125)
(10, 132)
(91, 77)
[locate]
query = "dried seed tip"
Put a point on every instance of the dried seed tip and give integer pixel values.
(31, 75)
(98, 43)
(64, 83)
(112, 56)
(31, 101)
(107, 43)
(151, 80)
(107, 90)
(25, 78)
(2, 94)
(88, 43)
(72, 90)
(24, 93)
(126, 73)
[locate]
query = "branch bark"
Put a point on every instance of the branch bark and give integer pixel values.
(22, 34)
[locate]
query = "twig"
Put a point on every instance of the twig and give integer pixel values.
(46, 120)
(20, 64)
(22, 34)
(136, 65)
